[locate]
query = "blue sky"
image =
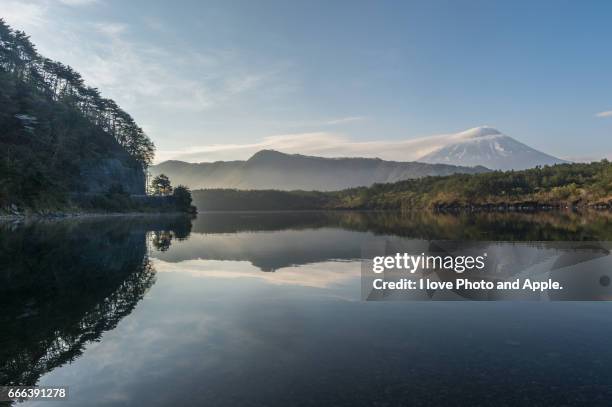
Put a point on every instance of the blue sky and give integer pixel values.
(219, 79)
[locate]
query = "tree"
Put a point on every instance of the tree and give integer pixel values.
(182, 199)
(59, 82)
(162, 240)
(161, 185)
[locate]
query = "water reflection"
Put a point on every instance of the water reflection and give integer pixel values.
(63, 284)
(536, 226)
(264, 309)
(272, 241)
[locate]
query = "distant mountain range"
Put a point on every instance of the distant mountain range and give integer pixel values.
(472, 151)
(269, 169)
(488, 147)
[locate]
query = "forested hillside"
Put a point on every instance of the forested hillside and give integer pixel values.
(563, 185)
(58, 135)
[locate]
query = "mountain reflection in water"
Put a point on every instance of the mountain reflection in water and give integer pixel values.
(231, 299)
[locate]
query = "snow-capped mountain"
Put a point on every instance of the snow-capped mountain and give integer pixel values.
(488, 147)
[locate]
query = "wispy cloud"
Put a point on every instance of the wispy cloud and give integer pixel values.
(155, 24)
(155, 82)
(78, 2)
(135, 73)
(24, 15)
(143, 75)
(110, 29)
(344, 120)
(29, 15)
(323, 144)
(607, 113)
(302, 125)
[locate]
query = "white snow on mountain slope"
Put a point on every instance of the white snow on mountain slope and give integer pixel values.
(488, 147)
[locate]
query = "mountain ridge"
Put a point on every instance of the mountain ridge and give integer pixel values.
(474, 150)
(271, 169)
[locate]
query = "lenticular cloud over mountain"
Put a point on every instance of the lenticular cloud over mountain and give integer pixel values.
(488, 147)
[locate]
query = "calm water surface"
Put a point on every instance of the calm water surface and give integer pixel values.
(265, 310)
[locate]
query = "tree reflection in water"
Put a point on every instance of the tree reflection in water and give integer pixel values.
(63, 284)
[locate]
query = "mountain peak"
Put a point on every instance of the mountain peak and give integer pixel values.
(263, 155)
(489, 147)
(270, 169)
(481, 131)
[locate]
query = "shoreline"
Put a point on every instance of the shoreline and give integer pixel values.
(434, 211)
(83, 215)
(473, 209)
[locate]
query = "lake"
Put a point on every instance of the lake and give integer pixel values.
(266, 309)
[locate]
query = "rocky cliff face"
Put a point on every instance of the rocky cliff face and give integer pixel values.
(98, 176)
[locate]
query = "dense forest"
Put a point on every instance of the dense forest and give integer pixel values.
(50, 122)
(557, 186)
